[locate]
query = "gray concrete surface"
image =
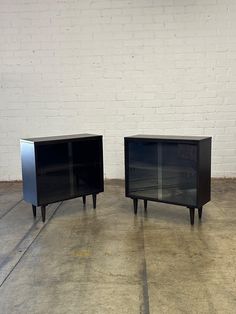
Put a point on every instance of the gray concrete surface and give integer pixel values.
(109, 261)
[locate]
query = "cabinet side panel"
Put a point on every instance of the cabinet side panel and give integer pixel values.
(204, 175)
(126, 168)
(101, 165)
(29, 172)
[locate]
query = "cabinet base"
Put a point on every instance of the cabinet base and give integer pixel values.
(200, 213)
(43, 212)
(192, 214)
(145, 205)
(191, 210)
(34, 211)
(135, 202)
(43, 207)
(94, 200)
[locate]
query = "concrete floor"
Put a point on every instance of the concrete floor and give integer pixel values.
(109, 261)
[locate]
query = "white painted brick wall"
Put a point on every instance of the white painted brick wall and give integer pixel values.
(118, 67)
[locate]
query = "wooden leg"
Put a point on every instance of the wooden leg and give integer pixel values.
(191, 213)
(43, 212)
(94, 200)
(84, 199)
(145, 205)
(34, 210)
(135, 201)
(200, 212)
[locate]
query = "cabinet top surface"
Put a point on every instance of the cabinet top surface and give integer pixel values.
(168, 137)
(59, 138)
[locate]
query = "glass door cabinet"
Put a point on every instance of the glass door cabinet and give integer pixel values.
(174, 170)
(60, 168)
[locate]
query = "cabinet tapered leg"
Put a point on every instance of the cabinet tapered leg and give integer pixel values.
(191, 213)
(43, 212)
(94, 200)
(84, 199)
(34, 210)
(200, 212)
(135, 201)
(145, 205)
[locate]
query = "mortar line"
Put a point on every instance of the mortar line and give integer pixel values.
(28, 247)
(10, 209)
(6, 260)
(145, 304)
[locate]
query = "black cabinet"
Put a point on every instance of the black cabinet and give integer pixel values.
(61, 167)
(169, 169)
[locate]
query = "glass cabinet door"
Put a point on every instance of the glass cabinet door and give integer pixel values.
(177, 166)
(142, 169)
(53, 172)
(86, 172)
(163, 171)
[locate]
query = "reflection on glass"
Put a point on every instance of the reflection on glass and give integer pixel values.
(143, 174)
(70, 169)
(86, 174)
(163, 171)
(179, 173)
(53, 172)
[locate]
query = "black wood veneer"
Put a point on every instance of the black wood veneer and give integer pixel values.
(60, 168)
(168, 169)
